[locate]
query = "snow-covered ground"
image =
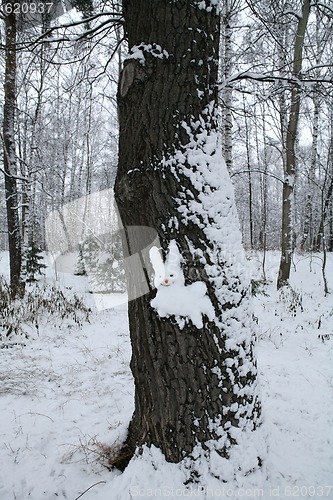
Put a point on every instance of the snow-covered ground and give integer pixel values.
(67, 393)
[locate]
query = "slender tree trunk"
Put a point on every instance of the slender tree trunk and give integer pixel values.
(330, 207)
(308, 225)
(330, 228)
(193, 385)
(308, 236)
(88, 169)
(325, 208)
(289, 174)
(8, 136)
(326, 199)
(264, 192)
(249, 175)
(227, 122)
(30, 164)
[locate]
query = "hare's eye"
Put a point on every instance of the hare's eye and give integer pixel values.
(171, 275)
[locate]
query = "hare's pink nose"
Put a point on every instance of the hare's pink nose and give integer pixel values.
(166, 281)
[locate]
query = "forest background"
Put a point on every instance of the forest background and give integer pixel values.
(65, 132)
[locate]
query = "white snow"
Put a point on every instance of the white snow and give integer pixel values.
(65, 391)
(138, 52)
(209, 5)
(189, 301)
(210, 209)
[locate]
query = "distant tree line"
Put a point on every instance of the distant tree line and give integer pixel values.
(60, 130)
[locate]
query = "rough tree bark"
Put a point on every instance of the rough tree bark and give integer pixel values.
(9, 156)
(193, 386)
(290, 164)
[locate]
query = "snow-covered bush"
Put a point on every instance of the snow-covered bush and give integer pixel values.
(101, 259)
(291, 299)
(258, 287)
(41, 304)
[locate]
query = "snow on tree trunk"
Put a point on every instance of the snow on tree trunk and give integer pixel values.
(195, 381)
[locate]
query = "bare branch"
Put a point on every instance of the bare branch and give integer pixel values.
(268, 174)
(293, 13)
(330, 9)
(114, 18)
(264, 77)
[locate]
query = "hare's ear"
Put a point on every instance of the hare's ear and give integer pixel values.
(174, 257)
(158, 265)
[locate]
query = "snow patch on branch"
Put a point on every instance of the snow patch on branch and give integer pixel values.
(209, 5)
(139, 52)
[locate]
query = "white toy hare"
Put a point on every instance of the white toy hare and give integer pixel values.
(173, 297)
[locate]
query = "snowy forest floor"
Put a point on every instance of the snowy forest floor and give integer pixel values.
(68, 392)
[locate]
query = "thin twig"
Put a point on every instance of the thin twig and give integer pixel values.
(85, 491)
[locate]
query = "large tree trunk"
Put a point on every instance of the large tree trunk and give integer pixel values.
(192, 385)
(9, 157)
(290, 165)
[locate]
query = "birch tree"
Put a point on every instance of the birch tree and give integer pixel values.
(230, 9)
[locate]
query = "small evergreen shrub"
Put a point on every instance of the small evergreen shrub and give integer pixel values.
(292, 299)
(34, 265)
(257, 287)
(80, 268)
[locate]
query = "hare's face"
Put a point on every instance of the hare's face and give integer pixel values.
(168, 279)
(169, 272)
